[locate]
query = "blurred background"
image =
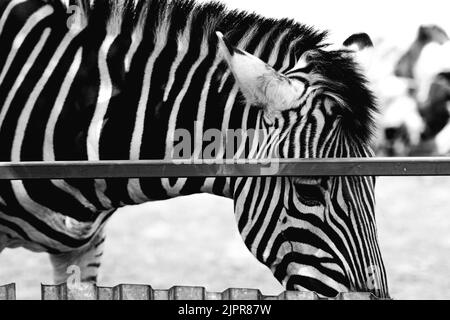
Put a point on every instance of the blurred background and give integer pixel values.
(194, 240)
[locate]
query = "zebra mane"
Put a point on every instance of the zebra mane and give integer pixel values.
(344, 81)
(249, 31)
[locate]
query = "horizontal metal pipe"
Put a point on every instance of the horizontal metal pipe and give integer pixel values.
(408, 166)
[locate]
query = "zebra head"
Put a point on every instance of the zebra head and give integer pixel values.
(315, 234)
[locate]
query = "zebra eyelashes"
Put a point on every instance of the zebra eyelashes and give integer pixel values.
(259, 82)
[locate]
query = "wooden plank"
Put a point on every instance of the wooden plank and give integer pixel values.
(8, 292)
(423, 166)
(146, 292)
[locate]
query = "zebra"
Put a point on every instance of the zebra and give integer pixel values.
(115, 80)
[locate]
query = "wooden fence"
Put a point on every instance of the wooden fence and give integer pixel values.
(87, 291)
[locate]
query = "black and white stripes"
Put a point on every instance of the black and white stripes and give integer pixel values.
(123, 78)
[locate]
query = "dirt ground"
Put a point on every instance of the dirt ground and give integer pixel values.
(194, 241)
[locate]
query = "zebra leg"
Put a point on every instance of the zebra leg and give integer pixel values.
(81, 265)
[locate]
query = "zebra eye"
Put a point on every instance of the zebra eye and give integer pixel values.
(310, 194)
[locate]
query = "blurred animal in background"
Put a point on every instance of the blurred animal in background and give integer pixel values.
(400, 126)
(435, 138)
(405, 122)
(427, 34)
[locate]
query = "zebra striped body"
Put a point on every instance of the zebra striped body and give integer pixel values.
(122, 80)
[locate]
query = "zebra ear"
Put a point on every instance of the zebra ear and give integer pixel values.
(259, 82)
(358, 41)
(360, 46)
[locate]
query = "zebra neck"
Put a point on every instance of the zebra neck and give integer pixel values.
(172, 93)
(174, 102)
